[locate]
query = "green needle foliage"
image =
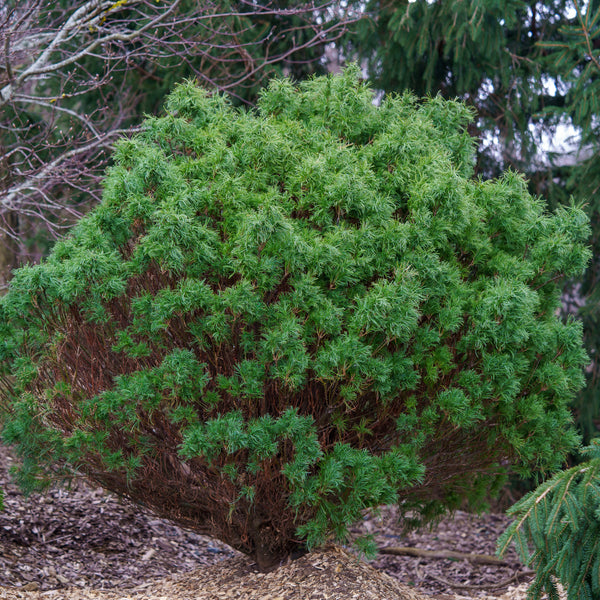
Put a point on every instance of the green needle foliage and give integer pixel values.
(557, 531)
(279, 318)
(528, 68)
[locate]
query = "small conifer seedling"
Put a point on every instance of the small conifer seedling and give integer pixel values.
(278, 318)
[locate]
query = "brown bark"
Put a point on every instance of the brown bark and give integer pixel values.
(9, 247)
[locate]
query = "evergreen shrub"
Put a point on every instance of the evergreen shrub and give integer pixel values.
(281, 317)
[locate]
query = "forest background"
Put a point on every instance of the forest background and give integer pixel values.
(76, 76)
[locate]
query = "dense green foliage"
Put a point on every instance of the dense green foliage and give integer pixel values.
(528, 67)
(278, 318)
(557, 531)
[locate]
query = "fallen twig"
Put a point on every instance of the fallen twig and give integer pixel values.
(480, 586)
(484, 559)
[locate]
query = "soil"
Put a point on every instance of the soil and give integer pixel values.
(86, 543)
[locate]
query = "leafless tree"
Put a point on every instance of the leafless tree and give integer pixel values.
(72, 73)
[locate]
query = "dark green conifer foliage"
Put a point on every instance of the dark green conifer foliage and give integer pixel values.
(557, 531)
(485, 52)
(276, 319)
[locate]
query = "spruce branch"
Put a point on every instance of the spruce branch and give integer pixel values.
(556, 530)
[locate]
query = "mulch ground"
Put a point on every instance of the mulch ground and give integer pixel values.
(463, 532)
(84, 537)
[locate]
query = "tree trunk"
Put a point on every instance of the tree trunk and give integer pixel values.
(9, 248)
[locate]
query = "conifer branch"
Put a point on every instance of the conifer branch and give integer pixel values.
(556, 530)
(584, 24)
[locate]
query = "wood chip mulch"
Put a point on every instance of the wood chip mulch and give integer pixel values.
(463, 532)
(331, 574)
(84, 543)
